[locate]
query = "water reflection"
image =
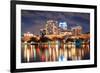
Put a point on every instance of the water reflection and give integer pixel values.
(53, 51)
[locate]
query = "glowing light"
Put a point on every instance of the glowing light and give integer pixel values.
(43, 58)
(69, 54)
(61, 58)
(25, 49)
(57, 49)
(46, 54)
(65, 53)
(63, 25)
(28, 55)
(38, 51)
(73, 51)
(31, 51)
(54, 56)
(34, 52)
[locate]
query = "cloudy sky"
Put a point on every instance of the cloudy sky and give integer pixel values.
(33, 21)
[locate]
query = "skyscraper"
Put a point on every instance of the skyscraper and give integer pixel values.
(51, 27)
(63, 25)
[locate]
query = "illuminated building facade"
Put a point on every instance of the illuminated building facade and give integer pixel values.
(63, 25)
(51, 27)
(27, 36)
(42, 32)
(77, 30)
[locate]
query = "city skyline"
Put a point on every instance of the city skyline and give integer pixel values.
(54, 36)
(33, 21)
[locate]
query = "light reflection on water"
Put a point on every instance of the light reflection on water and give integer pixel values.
(52, 52)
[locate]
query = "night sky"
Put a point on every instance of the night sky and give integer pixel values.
(32, 21)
